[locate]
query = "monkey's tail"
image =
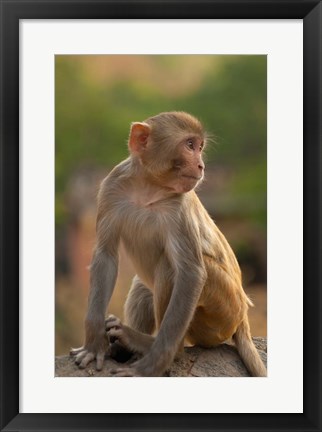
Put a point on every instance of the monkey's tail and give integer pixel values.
(248, 351)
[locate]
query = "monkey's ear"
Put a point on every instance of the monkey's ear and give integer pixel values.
(138, 137)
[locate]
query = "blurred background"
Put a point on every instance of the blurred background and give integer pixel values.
(96, 99)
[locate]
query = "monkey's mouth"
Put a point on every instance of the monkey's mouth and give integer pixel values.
(192, 177)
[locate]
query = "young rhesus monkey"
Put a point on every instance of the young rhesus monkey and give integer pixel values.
(188, 284)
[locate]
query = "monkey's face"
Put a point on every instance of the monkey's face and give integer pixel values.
(169, 147)
(175, 165)
(188, 166)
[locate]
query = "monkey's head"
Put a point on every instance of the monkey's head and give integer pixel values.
(169, 147)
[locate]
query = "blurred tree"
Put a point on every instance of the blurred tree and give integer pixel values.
(93, 115)
(96, 99)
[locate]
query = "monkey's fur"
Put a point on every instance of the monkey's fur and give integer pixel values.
(188, 284)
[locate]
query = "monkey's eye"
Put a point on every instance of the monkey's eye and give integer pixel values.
(190, 144)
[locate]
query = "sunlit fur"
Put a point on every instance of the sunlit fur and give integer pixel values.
(188, 284)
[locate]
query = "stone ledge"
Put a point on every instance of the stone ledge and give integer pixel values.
(222, 361)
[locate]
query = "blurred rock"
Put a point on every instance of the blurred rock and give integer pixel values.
(222, 361)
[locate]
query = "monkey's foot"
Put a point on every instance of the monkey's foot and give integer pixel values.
(124, 372)
(132, 340)
(144, 367)
(116, 331)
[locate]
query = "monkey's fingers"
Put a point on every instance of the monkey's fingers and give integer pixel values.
(75, 351)
(100, 360)
(87, 359)
(116, 334)
(112, 321)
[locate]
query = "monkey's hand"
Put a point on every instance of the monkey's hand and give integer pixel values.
(95, 347)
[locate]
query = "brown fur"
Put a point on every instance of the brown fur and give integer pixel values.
(188, 283)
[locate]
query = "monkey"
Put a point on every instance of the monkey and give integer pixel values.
(188, 283)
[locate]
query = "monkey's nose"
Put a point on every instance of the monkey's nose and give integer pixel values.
(201, 166)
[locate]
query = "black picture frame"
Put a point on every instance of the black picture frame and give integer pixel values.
(11, 12)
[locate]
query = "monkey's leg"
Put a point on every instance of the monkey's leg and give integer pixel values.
(220, 309)
(139, 315)
(204, 330)
(163, 291)
(139, 309)
(208, 333)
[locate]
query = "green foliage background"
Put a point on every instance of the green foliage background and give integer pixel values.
(97, 97)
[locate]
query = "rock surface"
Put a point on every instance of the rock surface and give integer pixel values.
(222, 361)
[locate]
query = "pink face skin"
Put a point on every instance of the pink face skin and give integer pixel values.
(189, 167)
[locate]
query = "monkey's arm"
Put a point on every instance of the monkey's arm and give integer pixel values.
(184, 298)
(176, 298)
(103, 273)
(186, 292)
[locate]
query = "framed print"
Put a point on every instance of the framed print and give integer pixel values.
(43, 43)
